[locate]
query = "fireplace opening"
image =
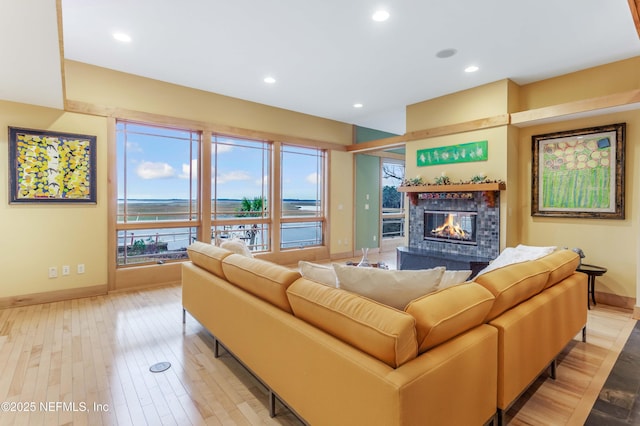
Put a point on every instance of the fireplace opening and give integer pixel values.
(450, 226)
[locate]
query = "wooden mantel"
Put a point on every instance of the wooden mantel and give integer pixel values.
(464, 187)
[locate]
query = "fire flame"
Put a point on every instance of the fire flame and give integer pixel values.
(450, 229)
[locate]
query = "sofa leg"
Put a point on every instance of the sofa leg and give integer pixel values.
(216, 348)
(552, 367)
(272, 404)
(584, 334)
(184, 316)
(493, 421)
(500, 417)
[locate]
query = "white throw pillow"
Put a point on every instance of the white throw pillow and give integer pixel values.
(236, 245)
(450, 278)
(322, 274)
(390, 287)
(520, 253)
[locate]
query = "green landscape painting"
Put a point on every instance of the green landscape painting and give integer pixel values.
(579, 173)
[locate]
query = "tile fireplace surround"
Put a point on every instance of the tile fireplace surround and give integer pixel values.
(487, 223)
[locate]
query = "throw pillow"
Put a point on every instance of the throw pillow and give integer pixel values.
(236, 245)
(520, 253)
(319, 273)
(450, 278)
(391, 287)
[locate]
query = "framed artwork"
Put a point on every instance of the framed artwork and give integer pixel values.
(579, 173)
(461, 153)
(51, 167)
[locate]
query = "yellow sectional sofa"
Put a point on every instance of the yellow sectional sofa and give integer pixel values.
(338, 358)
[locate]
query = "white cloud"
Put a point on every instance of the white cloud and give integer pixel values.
(233, 176)
(151, 170)
(224, 148)
(133, 147)
(313, 178)
(263, 181)
(185, 170)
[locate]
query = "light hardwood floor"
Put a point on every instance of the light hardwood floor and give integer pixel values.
(86, 362)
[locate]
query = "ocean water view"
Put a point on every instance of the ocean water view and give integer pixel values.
(158, 244)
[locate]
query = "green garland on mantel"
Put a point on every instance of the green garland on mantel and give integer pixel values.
(443, 179)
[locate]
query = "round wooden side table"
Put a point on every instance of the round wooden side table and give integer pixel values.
(592, 272)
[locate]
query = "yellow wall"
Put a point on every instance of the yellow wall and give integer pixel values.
(37, 236)
(100, 86)
(480, 102)
(608, 243)
(616, 77)
(341, 203)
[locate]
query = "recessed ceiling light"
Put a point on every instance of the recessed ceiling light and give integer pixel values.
(380, 16)
(269, 80)
(358, 105)
(471, 68)
(446, 53)
(126, 38)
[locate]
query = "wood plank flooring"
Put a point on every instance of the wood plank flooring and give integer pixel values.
(86, 362)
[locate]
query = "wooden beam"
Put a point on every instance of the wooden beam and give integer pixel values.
(451, 129)
(147, 117)
(61, 50)
(634, 5)
(378, 144)
(582, 106)
(467, 126)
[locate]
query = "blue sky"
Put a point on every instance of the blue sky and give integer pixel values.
(158, 167)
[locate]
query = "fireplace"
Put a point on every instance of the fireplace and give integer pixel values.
(475, 216)
(458, 227)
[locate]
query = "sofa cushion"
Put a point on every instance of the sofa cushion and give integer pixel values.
(319, 273)
(513, 284)
(561, 264)
(390, 287)
(208, 256)
(447, 313)
(384, 333)
(261, 278)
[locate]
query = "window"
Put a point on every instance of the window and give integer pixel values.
(392, 200)
(302, 209)
(240, 170)
(164, 204)
(157, 187)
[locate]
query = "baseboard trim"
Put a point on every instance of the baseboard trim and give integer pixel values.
(636, 313)
(615, 300)
(52, 296)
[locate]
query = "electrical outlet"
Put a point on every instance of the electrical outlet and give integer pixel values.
(66, 270)
(53, 272)
(81, 268)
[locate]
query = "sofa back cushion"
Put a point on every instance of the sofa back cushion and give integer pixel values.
(208, 257)
(376, 329)
(447, 313)
(561, 264)
(261, 278)
(513, 284)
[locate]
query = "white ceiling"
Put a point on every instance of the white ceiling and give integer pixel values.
(326, 55)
